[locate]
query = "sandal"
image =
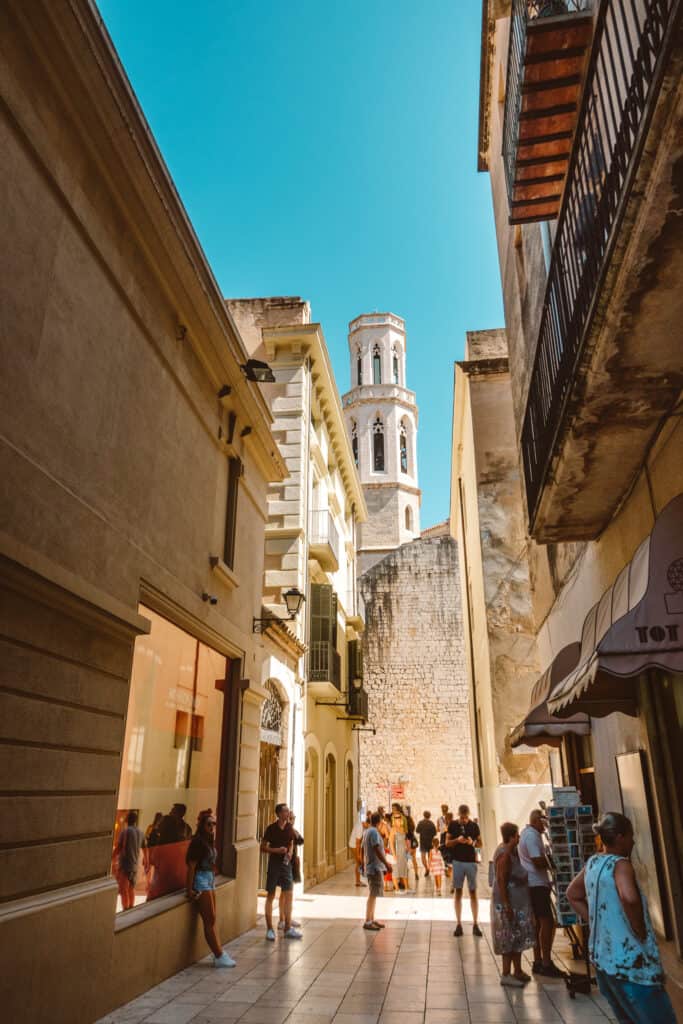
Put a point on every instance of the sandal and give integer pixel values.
(370, 926)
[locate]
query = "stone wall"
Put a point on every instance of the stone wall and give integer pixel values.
(416, 678)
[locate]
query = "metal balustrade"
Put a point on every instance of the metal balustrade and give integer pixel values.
(623, 78)
(324, 663)
(324, 534)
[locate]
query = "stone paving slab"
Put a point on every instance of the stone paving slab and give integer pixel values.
(412, 972)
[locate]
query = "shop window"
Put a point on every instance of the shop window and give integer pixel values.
(378, 446)
(234, 473)
(171, 759)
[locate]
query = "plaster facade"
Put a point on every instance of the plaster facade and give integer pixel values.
(487, 520)
(115, 463)
(314, 516)
(614, 459)
(416, 678)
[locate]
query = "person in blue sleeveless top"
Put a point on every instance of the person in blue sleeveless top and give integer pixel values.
(621, 942)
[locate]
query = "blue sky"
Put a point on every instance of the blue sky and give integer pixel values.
(328, 150)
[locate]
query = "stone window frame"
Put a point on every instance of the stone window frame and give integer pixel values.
(378, 447)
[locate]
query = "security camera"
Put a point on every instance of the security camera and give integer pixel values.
(210, 598)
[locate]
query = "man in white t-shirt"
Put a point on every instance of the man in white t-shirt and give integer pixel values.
(535, 861)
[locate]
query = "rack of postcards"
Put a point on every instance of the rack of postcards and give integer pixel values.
(572, 841)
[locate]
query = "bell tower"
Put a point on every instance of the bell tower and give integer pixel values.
(381, 418)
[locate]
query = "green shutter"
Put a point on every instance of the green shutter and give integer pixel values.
(323, 604)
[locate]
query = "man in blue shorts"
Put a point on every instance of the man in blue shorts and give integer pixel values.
(278, 842)
(463, 837)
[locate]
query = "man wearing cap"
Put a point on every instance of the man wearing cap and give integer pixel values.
(534, 859)
(622, 943)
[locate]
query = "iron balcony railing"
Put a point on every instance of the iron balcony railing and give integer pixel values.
(324, 663)
(630, 46)
(323, 531)
(524, 11)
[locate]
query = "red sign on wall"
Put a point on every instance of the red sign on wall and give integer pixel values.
(398, 792)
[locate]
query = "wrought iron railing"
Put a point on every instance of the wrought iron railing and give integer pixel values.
(524, 11)
(323, 531)
(324, 663)
(628, 55)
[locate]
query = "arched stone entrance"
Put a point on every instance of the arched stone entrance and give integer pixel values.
(272, 743)
(330, 811)
(349, 807)
(311, 804)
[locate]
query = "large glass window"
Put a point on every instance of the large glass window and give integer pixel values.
(171, 759)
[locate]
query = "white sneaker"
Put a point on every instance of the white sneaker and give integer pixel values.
(224, 960)
(510, 981)
(270, 935)
(293, 924)
(292, 933)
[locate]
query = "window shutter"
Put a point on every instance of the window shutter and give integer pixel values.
(322, 597)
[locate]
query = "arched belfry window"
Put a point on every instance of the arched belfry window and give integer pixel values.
(354, 441)
(376, 366)
(403, 446)
(394, 364)
(378, 446)
(271, 716)
(359, 367)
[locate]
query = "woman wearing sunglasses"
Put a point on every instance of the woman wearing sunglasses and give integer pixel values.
(201, 869)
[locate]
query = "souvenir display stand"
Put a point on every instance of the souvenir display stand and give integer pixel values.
(572, 842)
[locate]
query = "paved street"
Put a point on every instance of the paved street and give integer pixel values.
(413, 972)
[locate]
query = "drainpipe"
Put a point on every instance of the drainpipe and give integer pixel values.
(477, 742)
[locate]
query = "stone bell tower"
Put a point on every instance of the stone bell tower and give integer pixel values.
(381, 418)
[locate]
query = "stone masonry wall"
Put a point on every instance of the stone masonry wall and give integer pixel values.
(416, 677)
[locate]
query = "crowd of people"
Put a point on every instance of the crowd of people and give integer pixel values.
(605, 895)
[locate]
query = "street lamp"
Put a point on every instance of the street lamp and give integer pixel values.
(293, 601)
(258, 372)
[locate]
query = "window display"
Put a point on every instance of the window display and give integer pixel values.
(171, 759)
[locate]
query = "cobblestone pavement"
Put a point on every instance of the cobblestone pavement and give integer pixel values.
(412, 972)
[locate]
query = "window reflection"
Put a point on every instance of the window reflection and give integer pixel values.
(171, 759)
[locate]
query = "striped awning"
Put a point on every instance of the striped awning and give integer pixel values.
(540, 727)
(637, 625)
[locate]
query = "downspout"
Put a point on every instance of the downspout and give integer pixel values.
(477, 743)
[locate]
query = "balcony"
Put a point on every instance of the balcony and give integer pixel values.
(355, 609)
(357, 706)
(323, 540)
(607, 368)
(547, 56)
(324, 663)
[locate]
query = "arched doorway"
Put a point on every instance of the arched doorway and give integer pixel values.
(330, 811)
(269, 767)
(311, 817)
(348, 801)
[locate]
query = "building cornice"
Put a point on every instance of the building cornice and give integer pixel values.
(484, 367)
(86, 76)
(307, 340)
(371, 320)
(395, 485)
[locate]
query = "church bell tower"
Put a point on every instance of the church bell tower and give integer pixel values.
(381, 418)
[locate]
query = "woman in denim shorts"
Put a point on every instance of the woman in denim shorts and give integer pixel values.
(201, 868)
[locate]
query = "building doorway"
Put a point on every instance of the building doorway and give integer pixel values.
(269, 768)
(330, 811)
(311, 818)
(348, 801)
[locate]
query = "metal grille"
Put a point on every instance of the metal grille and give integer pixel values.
(622, 84)
(323, 530)
(324, 663)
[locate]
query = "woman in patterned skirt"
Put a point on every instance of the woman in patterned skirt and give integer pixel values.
(513, 919)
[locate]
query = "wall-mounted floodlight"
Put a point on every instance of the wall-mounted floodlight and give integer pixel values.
(258, 372)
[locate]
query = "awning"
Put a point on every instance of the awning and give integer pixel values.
(540, 727)
(636, 625)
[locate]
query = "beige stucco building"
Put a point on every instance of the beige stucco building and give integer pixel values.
(487, 520)
(136, 459)
(313, 521)
(589, 240)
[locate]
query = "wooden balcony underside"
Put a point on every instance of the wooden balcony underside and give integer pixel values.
(555, 58)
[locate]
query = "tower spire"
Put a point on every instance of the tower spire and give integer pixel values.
(381, 418)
